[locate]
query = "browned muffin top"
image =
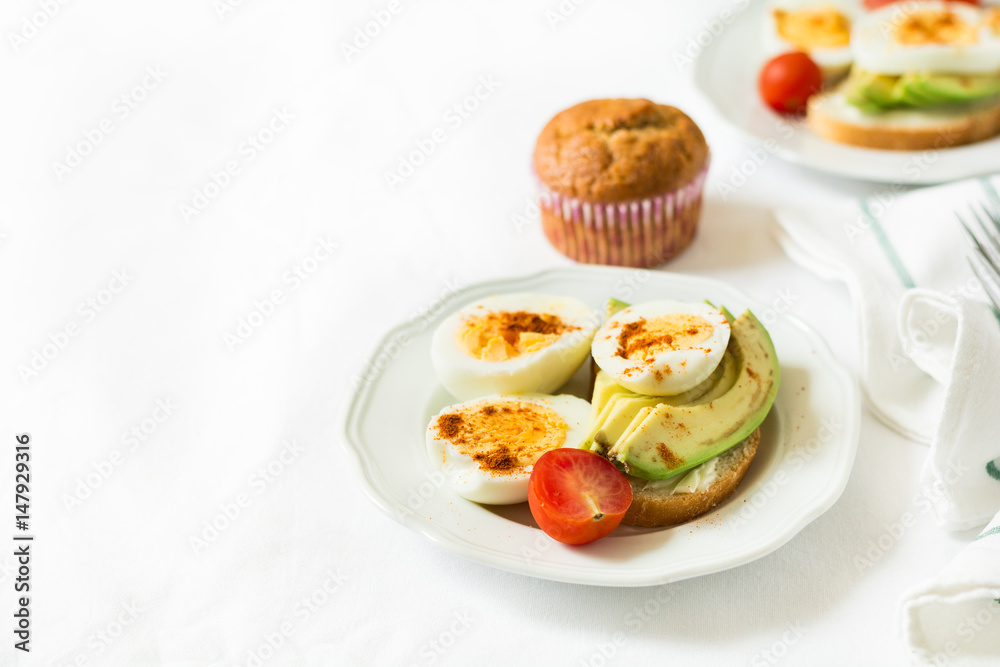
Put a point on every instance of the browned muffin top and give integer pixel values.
(615, 150)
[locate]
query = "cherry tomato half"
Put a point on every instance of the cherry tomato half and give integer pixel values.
(788, 81)
(577, 496)
(875, 4)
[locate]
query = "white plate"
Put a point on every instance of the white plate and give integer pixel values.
(726, 71)
(803, 462)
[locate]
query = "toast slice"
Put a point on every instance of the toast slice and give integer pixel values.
(653, 504)
(832, 117)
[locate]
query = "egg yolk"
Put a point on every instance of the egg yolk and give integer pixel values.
(992, 19)
(498, 336)
(643, 338)
(504, 436)
(813, 27)
(934, 27)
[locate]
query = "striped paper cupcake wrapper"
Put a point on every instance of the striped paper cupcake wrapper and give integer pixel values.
(640, 232)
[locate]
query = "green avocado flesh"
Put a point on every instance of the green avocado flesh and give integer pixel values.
(614, 408)
(657, 437)
(614, 305)
(874, 93)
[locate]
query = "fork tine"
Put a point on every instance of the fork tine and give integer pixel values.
(991, 245)
(993, 217)
(991, 231)
(971, 237)
(989, 285)
(985, 256)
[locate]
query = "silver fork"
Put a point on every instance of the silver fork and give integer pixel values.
(985, 257)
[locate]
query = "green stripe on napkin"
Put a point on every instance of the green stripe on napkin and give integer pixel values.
(991, 531)
(991, 470)
(887, 247)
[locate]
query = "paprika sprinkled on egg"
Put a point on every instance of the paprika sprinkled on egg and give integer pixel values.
(661, 348)
(487, 446)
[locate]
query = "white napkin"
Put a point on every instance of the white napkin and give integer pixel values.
(954, 619)
(930, 366)
(946, 620)
(930, 345)
(958, 344)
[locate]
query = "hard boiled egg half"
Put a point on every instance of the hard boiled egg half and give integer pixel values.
(662, 348)
(821, 28)
(512, 344)
(928, 36)
(487, 447)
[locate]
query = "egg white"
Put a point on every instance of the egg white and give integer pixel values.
(469, 480)
(671, 371)
(543, 371)
(832, 61)
(876, 51)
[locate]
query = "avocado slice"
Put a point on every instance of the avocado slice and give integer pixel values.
(729, 372)
(919, 91)
(909, 91)
(605, 388)
(870, 93)
(880, 91)
(613, 408)
(614, 305)
(674, 438)
(956, 89)
(616, 419)
(918, 85)
(725, 313)
(639, 419)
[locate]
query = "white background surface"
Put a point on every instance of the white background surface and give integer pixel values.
(115, 578)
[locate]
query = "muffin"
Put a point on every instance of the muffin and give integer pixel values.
(621, 181)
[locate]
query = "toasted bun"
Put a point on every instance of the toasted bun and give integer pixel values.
(651, 507)
(830, 116)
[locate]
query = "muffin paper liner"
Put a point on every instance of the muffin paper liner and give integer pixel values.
(639, 232)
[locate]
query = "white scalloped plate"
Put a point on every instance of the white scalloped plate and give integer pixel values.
(726, 71)
(803, 463)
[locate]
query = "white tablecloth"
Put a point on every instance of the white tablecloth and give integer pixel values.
(199, 245)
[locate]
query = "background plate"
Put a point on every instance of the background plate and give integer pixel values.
(726, 74)
(803, 463)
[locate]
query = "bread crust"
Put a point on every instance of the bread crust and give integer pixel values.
(652, 508)
(975, 125)
(618, 150)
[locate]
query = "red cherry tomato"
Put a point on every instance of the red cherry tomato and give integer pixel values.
(788, 81)
(875, 4)
(577, 496)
